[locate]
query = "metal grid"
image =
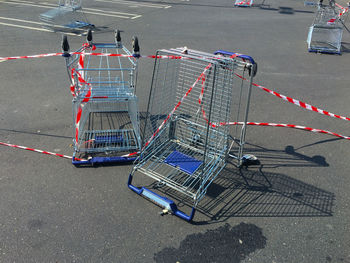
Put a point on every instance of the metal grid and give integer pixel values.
(326, 32)
(105, 106)
(68, 15)
(189, 107)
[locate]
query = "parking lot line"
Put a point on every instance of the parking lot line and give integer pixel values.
(135, 3)
(27, 27)
(86, 10)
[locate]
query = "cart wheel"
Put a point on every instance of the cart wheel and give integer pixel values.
(65, 46)
(89, 36)
(135, 46)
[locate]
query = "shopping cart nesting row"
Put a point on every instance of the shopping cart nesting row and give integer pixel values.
(105, 106)
(187, 139)
(325, 34)
(68, 15)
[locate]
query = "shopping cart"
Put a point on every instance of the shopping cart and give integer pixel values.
(326, 32)
(186, 139)
(67, 16)
(243, 3)
(105, 107)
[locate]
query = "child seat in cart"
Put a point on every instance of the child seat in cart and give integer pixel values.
(105, 107)
(325, 34)
(187, 138)
(67, 16)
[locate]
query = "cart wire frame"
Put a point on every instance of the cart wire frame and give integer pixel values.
(67, 16)
(326, 31)
(191, 100)
(105, 106)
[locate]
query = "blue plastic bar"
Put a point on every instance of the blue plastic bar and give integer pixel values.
(103, 160)
(228, 53)
(161, 200)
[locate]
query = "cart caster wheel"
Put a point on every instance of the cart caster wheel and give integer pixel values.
(249, 159)
(65, 46)
(135, 46)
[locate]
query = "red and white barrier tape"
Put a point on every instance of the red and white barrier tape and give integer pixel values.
(243, 3)
(35, 150)
(289, 126)
(297, 102)
(177, 105)
(229, 123)
(342, 8)
(88, 54)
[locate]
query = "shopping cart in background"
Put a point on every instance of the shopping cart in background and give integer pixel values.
(67, 16)
(243, 3)
(105, 107)
(326, 32)
(186, 138)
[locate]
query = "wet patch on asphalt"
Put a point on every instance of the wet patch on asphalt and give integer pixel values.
(224, 244)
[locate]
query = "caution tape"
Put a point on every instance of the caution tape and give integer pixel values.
(297, 102)
(293, 126)
(90, 54)
(35, 150)
(344, 10)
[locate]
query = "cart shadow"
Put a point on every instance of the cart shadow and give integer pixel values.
(345, 47)
(245, 193)
(36, 133)
(287, 157)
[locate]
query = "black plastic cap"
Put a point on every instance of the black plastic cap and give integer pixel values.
(89, 36)
(117, 36)
(65, 46)
(135, 45)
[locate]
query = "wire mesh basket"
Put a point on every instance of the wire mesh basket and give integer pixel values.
(105, 106)
(68, 15)
(326, 32)
(187, 136)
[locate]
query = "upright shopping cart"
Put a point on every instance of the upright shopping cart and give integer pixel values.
(186, 139)
(105, 106)
(326, 32)
(68, 15)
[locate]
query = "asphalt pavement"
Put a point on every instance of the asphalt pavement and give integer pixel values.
(293, 207)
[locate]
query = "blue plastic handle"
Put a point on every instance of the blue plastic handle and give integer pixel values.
(228, 53)
(161, 200)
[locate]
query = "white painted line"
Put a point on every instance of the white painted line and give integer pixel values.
(20, 20)
(134, 4)
(136, 17)
(28, 27)
(112, 12)
(102, 12)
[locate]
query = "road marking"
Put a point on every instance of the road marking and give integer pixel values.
(135, 4)
(27, 27)
(98, 11)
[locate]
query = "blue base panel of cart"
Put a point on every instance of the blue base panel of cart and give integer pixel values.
(161, 201)
(79, 24)
(183, 162)
(108, 139)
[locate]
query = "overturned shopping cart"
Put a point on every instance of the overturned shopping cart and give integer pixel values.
(105, 107)
(67, 16)
(326, 32)
(187, 137)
